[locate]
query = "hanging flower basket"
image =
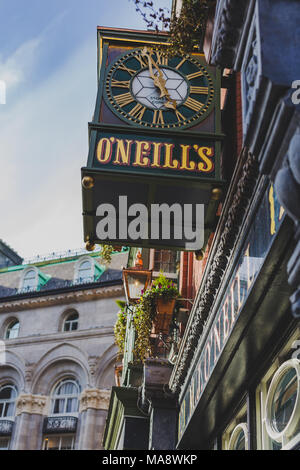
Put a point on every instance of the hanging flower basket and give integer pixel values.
(164, 309)
(165, 306)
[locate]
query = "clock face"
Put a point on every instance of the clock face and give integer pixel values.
(147, 89)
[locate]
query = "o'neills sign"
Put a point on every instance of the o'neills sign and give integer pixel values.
(165, 156)
(256, 246)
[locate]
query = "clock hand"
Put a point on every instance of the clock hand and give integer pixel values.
(159, 80)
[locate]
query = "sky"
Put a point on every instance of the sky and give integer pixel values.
(48, 63)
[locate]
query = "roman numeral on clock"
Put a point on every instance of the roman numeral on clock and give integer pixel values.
(195, 75)
(161, 58)
(193, 104)
(180, 64)
(199, 90)
(179, 116)
(126, 69)
(124, 99)
(138, 111)
(120, 84)
(158, 117)
(143, 63)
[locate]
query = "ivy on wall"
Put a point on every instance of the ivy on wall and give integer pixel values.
(186, 30)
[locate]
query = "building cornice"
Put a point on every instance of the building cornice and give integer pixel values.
(65, 337)
(60, 298)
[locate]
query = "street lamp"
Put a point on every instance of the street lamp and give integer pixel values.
(136, 280)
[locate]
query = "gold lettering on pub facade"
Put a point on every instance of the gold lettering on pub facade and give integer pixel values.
(161, 155)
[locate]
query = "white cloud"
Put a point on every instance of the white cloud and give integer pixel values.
(43, 144)
(17, 67)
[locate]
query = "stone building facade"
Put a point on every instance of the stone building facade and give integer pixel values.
(57, 350)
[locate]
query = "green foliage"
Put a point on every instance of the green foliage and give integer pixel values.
(186, 30)
(145, 313)
(120, 326)
(106, 252)
(163, 287)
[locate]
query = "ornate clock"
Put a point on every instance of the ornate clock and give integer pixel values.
(148, 89)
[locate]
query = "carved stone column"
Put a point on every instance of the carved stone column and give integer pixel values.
(93, 410)
(30, 412)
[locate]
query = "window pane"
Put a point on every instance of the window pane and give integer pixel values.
(7, 393)
(240, 443)
(85, 270)
(165, 260)
(51, 443)
(58, 406)
(67, 443)
(59, 442)
(4, 444)
(13, 330)
(72, 317)
(284, 400)
(72, 405)
(29, 280)
(9, 410)
(67, 326)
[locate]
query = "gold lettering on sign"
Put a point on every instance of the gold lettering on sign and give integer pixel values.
(104, 150)
(272, 210)
(204, 153)
(207, 361)
(156, 154)
(142, 152)
(217, 338)
(249, 275)
(122, 153)
(225, 319)
(168, 157)
(185, 163)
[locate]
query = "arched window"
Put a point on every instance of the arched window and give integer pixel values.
(30, 280)
(8, 395)
(65, 397)
(12, 330)
(71, 321)
(85, 271)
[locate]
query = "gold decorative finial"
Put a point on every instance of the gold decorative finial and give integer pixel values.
(199, 255)
(216, 194)
(87, 182)
(90, 246)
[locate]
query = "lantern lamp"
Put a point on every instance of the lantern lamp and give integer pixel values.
(136, 280)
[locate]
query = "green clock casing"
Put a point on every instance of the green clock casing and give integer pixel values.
(148, 89)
